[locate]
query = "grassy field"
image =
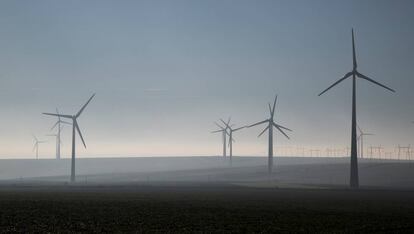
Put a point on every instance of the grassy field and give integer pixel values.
(204, 208)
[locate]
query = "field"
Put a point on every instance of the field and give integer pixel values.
(207, 195)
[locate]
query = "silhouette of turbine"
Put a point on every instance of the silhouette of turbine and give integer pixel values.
(361, 141)
(354, 179)
(59, 126)
(231, 130)
(36, 145)
(269, 128)
(224, 132)
(74, 126)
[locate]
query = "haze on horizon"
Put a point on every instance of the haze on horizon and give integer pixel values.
(163, 71)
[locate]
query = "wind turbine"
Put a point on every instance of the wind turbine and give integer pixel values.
(224, 132)
(270, 124)
(361, 140)
(59, 126)
(74, 126)
(231, 130)
(36, 145)
(354, 179)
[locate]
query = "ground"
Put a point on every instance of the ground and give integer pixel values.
(206, 195)
(203, 208)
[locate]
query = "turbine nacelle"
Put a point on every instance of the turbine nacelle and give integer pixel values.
(74, 118)
(271, 122)
(354, 73)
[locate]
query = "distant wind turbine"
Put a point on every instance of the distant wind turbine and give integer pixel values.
(354, 179)
(231, 130)
(59, 126)
(36, 145)
(361, 140)
(74, 126)
(224, 132)
(270, 124)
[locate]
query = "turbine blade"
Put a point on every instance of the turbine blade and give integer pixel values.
(57, 122)
(228, 121)
(218, 125)
(264, 130)
(280, 126)
(237, 129)
(64, 122)
(217, 131)
(59, 115)
(228, 144)
(261, 122)
(34, 147)
(353, 51)
(359, 129)
(339, 81)
(373, 81)
(280, 130)
(274, 106)
(270, 108)
(225, 124)
(84, 106)
(80, 134)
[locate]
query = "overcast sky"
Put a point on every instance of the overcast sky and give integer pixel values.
(163, 71)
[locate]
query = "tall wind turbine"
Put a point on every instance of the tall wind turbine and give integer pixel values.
(231, 130)
(361, 140)
(74, 126)
(354, 179)
(224, 132)
(59, 126)
(36, 145)
(270, 124)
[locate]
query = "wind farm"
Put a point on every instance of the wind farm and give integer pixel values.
(315, 171)
(208, 117)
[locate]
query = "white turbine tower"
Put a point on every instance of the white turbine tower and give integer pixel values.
(224, 132)
(231, 130)
(59, 126)
(36, 145)
(361, 141)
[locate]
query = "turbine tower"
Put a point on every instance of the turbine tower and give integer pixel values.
(270, 124)
(59, 126)
(231, 130)
(224, 132)
(354, 179)
(36, 146)
(361, 141)
(75, 127)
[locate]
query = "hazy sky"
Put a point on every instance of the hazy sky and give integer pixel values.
(163, 71)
